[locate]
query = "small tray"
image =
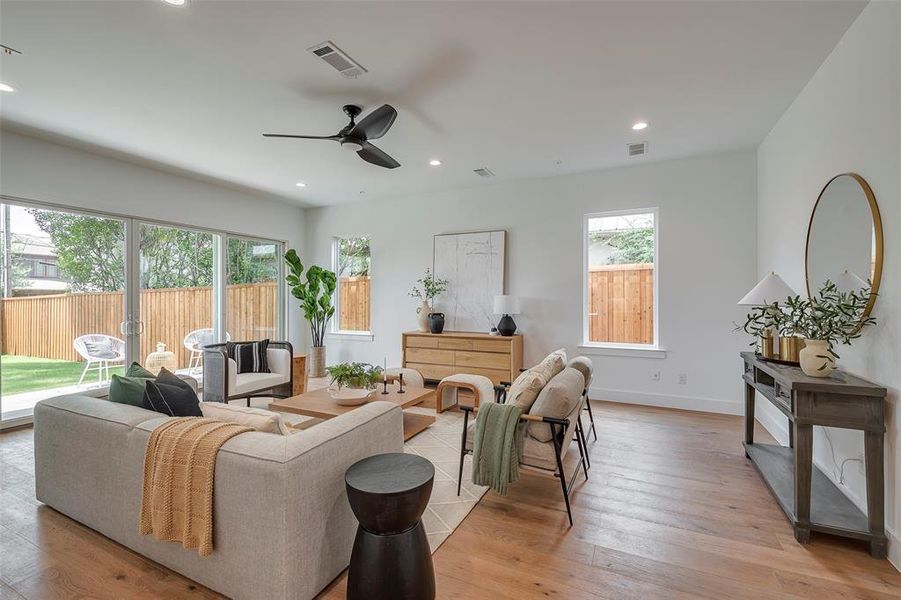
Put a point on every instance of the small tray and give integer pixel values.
(779, 361)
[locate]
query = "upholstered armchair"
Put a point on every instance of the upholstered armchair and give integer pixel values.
(553, 424)
(222, 382)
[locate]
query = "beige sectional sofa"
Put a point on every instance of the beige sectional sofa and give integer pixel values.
(282, 524)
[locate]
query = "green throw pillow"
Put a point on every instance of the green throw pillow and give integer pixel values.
(128, 390)
(136, 370)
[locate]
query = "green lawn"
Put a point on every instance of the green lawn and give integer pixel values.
(26, 373)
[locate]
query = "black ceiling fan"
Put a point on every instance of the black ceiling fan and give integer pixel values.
(356, 136)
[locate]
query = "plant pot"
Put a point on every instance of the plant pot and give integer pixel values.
(790, 348)
(815, 359)
(423, 319)
(767, 346)
(436, 322)
(317, 361)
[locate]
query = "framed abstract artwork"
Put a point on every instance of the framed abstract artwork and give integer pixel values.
(473, 265)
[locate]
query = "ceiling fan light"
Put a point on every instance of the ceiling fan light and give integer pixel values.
(352, 146)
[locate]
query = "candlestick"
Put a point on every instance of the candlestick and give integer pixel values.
(385, 387)
(400, 383)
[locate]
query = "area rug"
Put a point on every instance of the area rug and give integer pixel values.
(440, 444)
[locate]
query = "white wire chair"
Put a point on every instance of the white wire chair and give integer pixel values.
(99, 351)
(194, 343)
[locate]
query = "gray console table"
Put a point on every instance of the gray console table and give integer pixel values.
(809, 498)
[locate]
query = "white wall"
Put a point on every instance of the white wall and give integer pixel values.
(848, 118)
(707, 261)
(40, 170)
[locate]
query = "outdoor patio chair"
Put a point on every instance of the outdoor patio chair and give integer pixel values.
(99, 351)
(194, 343)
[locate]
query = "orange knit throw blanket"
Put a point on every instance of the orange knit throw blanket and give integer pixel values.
(179, 465)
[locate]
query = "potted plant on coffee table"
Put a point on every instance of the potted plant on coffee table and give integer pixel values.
(315, 295)
(352, 383)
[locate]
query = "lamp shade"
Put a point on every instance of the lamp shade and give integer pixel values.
(506, 305)
(770, 289)
(848, 281)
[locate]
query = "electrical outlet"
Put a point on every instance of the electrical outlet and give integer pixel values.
(683, 378)
(655, 376)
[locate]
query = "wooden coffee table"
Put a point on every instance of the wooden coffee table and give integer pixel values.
(319, 404)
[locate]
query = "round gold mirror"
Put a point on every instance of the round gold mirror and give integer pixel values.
(844, 238)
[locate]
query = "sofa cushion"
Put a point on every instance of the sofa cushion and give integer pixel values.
(583, 365)
(552, 364)
(250, 357)
(258, 418)
(525, 389)
(172, 400)
(557, 399)
(136, 370)
(127, 390)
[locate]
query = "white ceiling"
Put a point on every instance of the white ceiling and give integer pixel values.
(526, 89)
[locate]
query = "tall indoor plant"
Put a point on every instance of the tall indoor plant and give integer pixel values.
(315, 295)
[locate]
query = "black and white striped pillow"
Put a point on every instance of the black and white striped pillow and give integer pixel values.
(250, 356)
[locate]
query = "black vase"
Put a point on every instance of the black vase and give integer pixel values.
(436, 322)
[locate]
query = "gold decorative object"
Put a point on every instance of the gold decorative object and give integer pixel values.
(767, 347)
(790, 348)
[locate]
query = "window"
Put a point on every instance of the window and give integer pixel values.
(620, 279)
(351, 262)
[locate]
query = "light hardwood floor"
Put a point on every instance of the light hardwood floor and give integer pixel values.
(672, 510)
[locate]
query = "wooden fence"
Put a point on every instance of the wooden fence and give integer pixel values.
(353, 304)
(45, 326)
(621, 304)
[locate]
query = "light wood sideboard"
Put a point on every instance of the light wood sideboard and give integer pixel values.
(438, 355)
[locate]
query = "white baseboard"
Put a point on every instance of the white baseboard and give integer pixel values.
(713, 405)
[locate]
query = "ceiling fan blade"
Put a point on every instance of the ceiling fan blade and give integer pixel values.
(373, 155)
(302, 137)
(375, 124)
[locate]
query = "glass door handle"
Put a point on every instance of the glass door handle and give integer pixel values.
(140, 325)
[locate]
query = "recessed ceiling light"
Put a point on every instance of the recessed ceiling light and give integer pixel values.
(300, 184)
(435, 162)
(639, 126)
(175, 2)
(5, 87)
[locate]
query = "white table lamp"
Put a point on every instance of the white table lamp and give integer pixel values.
(506, 305)
(770, 289)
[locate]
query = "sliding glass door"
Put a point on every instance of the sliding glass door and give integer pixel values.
(253, 302)
(177, 298)
(82, 295)
(62, 307)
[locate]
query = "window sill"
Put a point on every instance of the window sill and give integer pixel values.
(356, 336)
(623, 350)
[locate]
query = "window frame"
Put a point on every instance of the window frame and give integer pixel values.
(653, 350)
(335, 330)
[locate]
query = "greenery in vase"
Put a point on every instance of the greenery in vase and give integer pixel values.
(831, 315)
(354, 375)
(762, 320)
(315, 294)
(428, 287)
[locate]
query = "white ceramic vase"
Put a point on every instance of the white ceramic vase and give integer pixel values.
(423, 319)
(815, 358)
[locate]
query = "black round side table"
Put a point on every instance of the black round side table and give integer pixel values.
(391, 559)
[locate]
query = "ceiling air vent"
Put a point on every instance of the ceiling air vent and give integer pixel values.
(638, 149)
(335, 57)
(483, 172)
